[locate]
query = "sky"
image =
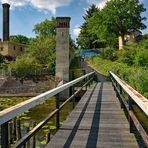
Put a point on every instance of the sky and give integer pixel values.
(24, 14)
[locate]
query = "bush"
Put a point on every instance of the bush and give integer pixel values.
(110, 54)
(24, 66)
(141, 58)
(127, 55)
(138, 79)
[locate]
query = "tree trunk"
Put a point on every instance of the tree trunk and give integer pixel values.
(121, 41)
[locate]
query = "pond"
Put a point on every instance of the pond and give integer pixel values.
(36, 115)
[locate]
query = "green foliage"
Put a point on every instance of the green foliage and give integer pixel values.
(40, 52)
(135, 54)
(25, 65)
(118, 17)
(47, 28)
(139, 80)
(110, 54)
(75, 63)
(141, 58)
(19, 39)
(127, 55)
(85, 39)
(43, 50)
(137, 77)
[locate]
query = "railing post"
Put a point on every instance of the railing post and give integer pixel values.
(34, 137)
(130, 108)
(73, 75)
(73, 99)
(58, 113)
(121, 103)
(4, 135)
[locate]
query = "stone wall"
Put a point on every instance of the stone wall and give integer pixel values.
(12, 86)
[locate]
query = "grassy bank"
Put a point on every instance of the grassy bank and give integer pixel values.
(137, 77)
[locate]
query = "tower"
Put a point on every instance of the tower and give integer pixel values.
(6, 21)
(62, 48)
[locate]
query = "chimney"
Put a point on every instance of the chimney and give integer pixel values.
(6, 21)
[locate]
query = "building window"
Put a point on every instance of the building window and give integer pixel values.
(1, 49)
(13, 47)
(21, 48)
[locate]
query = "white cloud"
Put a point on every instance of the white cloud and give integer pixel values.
(76, 31)
(49, 5)
(99, 3)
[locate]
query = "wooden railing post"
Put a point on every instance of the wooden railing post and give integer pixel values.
(4, 135)
(130, 120)
(58, 113)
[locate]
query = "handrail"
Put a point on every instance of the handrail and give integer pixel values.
(141, 101)
(20, 108)
(42, 123)
(133, 96)
(8, 114)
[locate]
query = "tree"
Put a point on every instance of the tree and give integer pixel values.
(86, 39)
(42, 49)
(19, 39)
(40, 52)
(119, 17)
(47, 28)
(24, 66)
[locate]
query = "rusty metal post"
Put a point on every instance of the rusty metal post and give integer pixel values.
(121, 92)
(19, 135)
(129, 117)
(4, 135)
(73, 99)
(58, 113)
(34, 137)
(11, 132)
(48, 137)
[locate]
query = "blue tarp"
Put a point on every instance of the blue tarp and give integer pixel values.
(88, 52)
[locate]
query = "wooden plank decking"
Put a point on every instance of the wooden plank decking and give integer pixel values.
(97, 121)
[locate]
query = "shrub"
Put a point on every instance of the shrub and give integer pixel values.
(110, 54)
(141, 58)
(24, 66)
(127, 55)
(138, 79)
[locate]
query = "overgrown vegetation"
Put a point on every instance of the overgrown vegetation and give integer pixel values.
(104, 26)
(40, 51)
(131, 65)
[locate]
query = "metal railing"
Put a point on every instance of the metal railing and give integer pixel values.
(133, 97)
(12, 112)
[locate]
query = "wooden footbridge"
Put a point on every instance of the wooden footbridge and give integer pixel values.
(98, 120)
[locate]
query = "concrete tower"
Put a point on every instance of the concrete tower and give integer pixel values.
(6, 21)
(62, 48)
